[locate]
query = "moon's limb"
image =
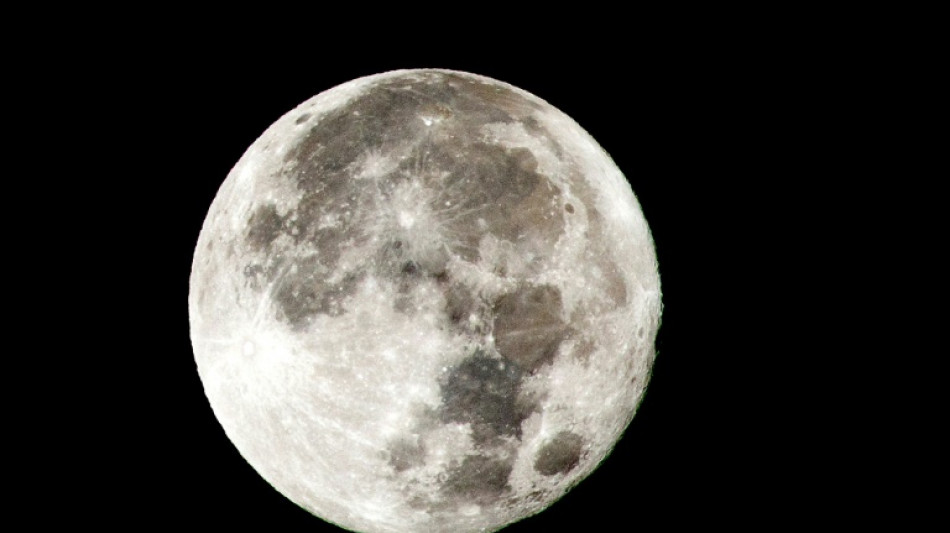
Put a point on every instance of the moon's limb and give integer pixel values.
(424, 300)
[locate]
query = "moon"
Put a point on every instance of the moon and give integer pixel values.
(424, 300)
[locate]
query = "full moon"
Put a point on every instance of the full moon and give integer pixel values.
(424, 300)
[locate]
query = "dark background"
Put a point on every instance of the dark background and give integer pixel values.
(702, 129)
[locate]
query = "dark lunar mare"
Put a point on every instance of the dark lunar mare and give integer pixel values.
(485, 181)
(479, 478)
(484, 391)
(559, 455)
(528, 326)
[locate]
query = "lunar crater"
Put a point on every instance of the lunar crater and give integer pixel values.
(559, 455)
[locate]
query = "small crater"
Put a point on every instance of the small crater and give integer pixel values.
(302, 118)
(559, 455)
(410, 268)
(569, 208)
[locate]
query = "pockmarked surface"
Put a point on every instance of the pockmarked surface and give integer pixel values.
(424, 301)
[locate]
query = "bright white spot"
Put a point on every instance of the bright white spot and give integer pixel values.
(406, 219)
(427, 121)
(248, 348)
(327, 221)
(248, 172)
(471, 510)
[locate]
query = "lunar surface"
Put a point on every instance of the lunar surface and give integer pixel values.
(424, 300)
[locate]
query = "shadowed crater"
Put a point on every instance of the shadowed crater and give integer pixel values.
(559, 455)
(484, 392)
(396, 260)
(528, 325)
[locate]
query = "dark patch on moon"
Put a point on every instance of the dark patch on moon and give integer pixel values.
(528, 325)
(583, 349)
(479, 478)
(484, 391)
(502, 100)
(302, 118)
(559, 455)
(302, 292)
(489, 175)
(410, 268)
(406, 453)
(569, 208)
(493, 188)
(459, 305)
(396, 261)
(264, 226)
(613, 281)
